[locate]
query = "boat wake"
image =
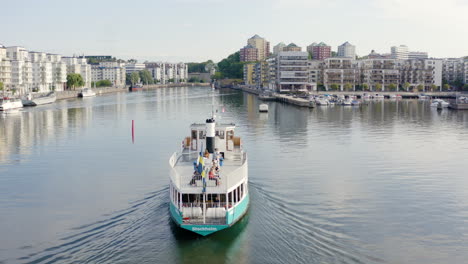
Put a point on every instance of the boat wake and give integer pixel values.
(106, 241)
(315, 239)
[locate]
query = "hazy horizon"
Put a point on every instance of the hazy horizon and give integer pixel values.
(196, 30)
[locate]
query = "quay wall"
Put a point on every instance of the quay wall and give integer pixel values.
(103, 90)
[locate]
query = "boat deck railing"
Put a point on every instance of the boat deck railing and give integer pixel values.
(232, 172)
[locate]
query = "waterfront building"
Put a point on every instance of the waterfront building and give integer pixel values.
(112, 71)
(79, 66)
(424, 73)
(260, 74)
(342, 72)
(453, 69)
(465, 71)
(261, 45)
(321, 51)
(165, 72)
(134, 67)
(380, 72)
(315, 73)
(414, 55)
(292, 71)
(279, 47)
(249, 53)
(5, 68)
(33, 71)
(399, 52)
(292, 47)
(248, 74)
(347, 50)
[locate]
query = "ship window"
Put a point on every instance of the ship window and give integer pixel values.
(230, 134)
(201, 134)
(194, 134)
(220, 134)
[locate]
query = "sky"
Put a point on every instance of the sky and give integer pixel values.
(199, 30)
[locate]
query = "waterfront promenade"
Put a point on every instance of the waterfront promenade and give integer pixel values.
(103, 90)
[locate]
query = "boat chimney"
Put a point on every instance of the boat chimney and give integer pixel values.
(210, 135)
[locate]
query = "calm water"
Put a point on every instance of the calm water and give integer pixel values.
(384, 183)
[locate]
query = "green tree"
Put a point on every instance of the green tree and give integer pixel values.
(446, 87)
(193, 79)
(378, 87)
(392, 87)
(171, 80)
(420, 87)
(365, 87)
(334, 86)
(348, 86)
(145, 77)
(465, 87)
(134, 78)
(103, 83)
(74, 80)
(433, 88)
(1, 86)
(217, 76)
(232, 67)
(406, 86)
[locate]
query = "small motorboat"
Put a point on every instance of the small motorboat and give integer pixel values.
(321, 100)
(439, 103)
(378, 96)
(136, 87)
(263, 108)
(7, 103)
(86, 92)
(31, 100)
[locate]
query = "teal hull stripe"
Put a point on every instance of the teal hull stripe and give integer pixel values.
(237, 212)
(232, 217)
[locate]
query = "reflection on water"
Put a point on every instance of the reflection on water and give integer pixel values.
(380, 183)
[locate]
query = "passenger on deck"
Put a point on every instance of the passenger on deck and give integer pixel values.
(206, 154)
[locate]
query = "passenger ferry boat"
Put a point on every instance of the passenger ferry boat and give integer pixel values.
(209, 179)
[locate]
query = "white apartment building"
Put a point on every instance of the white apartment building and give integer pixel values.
(79, 66)
(25, 72)
(112, 71)
(414, 55)
(421, 72)
(400, 52)
(340, 71)
(5, 67)
(383, 72)
(164, 72)
(134, 67)
(347, 50)
(453, 69)
(292, 71)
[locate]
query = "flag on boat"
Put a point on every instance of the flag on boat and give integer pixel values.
(200, 161)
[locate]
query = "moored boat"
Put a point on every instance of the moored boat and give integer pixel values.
(86, 92)
(263, 108)
(31, 100)
(209, 179)
(439, 103)
(136, 87)
(7, 103)
(378, 96)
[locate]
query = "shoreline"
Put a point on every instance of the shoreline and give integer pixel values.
(285, 98)
(105, 90)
